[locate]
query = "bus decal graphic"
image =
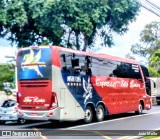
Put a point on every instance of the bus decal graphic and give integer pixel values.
(107, 83)
(76, 79)
(88, 90)
(33, 99)
(115, 84)
(31, 61)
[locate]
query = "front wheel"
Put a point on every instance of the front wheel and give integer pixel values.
(88, 115)
(140, 109)
(100, 113)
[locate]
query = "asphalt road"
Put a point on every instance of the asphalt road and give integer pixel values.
(120, 126)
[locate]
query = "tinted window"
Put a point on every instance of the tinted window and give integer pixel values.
(147, 81)
(136, 72)
(85, 65)
(75, 64)
(123, 70)
(103, 67)
(9, 103)
(95, 68)
(145, 71)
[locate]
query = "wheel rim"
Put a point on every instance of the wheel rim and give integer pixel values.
(88, 115)
(100, 113)
(140, 108)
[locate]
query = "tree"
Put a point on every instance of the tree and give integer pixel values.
(69, 23)
(130, 56)
(8, 75)
(154, 64)
(149, 40)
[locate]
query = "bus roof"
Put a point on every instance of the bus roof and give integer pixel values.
(105, 56)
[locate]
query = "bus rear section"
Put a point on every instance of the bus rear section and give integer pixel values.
(34, 75)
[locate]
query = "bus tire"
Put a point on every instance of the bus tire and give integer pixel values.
(140, 109)
(100, 113)
(88, 117)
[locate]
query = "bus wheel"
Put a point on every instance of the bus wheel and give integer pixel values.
(88, 115)
(140, 108)
(100, 113)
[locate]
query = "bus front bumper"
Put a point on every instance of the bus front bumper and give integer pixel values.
(53, 114)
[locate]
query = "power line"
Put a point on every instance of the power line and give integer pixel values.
(151, 7)
(154, 5)
(150, 10)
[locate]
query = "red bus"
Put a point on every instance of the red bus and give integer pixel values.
(56, 83)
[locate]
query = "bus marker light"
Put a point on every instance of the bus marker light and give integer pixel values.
(50, 114)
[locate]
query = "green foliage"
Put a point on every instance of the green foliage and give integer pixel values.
(69, 23)
(149, 40)
(7, 73)
(154, 64)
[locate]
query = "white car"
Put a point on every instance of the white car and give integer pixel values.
(8, 112)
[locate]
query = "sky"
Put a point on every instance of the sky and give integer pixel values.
(122, 42)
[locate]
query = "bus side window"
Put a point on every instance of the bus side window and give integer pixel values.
(63, 61)
(95, 68)
(66, 62)
(123, 70)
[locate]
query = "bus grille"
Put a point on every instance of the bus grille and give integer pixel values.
(34, 84)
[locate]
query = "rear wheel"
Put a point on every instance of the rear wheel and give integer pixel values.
(140, 109)
(88, 115)
(100, 113)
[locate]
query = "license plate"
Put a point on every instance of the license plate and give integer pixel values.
(4, 118)
(34, 114)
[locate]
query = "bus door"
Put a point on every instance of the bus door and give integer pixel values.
(71, 99)
(67, 105)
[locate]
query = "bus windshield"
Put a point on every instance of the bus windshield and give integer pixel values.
(34, 64)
